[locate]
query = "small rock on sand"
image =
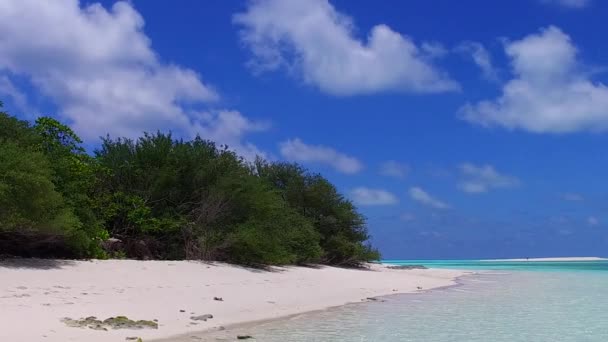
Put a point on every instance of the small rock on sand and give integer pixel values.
(201, 317)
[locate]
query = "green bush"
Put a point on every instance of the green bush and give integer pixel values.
(168, 198)
(28, 199)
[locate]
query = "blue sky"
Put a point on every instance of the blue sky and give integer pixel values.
(466, 129)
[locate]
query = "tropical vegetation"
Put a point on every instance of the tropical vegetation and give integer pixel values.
(159, 197)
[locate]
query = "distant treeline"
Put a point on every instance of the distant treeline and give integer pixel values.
(158, 197)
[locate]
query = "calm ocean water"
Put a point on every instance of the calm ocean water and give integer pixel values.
(514, 302)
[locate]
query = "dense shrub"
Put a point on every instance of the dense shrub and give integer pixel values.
(167, 198)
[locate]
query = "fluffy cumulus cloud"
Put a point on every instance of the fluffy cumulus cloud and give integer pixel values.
(576, 4)
(97, 65)
(296, 150)
(421, 196)
(482, 178)
(550, 91)
(394, 169)
(367, 196)
(314, 41)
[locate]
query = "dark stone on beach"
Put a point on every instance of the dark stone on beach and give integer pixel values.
(203, 318)
(182, 310)
(419, 287)
(244, 337)
(372, 299)
(407, 267)
(219, 299)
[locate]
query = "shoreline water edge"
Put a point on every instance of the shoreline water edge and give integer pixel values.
(100, 301)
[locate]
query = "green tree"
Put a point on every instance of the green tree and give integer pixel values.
(28, 200)
(74, 176)
(33, 214)
(342, 229)
(167, 198)
(190, 199)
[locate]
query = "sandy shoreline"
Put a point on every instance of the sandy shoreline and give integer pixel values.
(229, 332)
(36, 294)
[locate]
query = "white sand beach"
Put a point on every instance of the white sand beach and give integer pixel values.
(552, 259)
(35, 295)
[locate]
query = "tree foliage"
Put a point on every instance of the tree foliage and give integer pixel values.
(165, 198)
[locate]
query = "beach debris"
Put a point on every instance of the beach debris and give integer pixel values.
(118, 322)
(203, 318)
(182, 310)
(219, 299)
(419, 287)
(244, 337)
(372, 299)
(134, 338)
(407, 267)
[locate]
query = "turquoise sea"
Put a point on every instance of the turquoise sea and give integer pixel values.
(508, 302)
(538, 266)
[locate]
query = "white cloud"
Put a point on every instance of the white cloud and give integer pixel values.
(98, 66)
(549, 92)
(229, 127)
(569, 196)
(434, 49)
(394, 169)
(478, 179)
(481, 57)
(296, 150)
(316, 42)
(592, 221)
(367, 196)
(569, 3)
(7, 88)
(419, 195)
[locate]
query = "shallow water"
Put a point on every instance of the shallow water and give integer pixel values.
(537, 266)
(551, 303)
